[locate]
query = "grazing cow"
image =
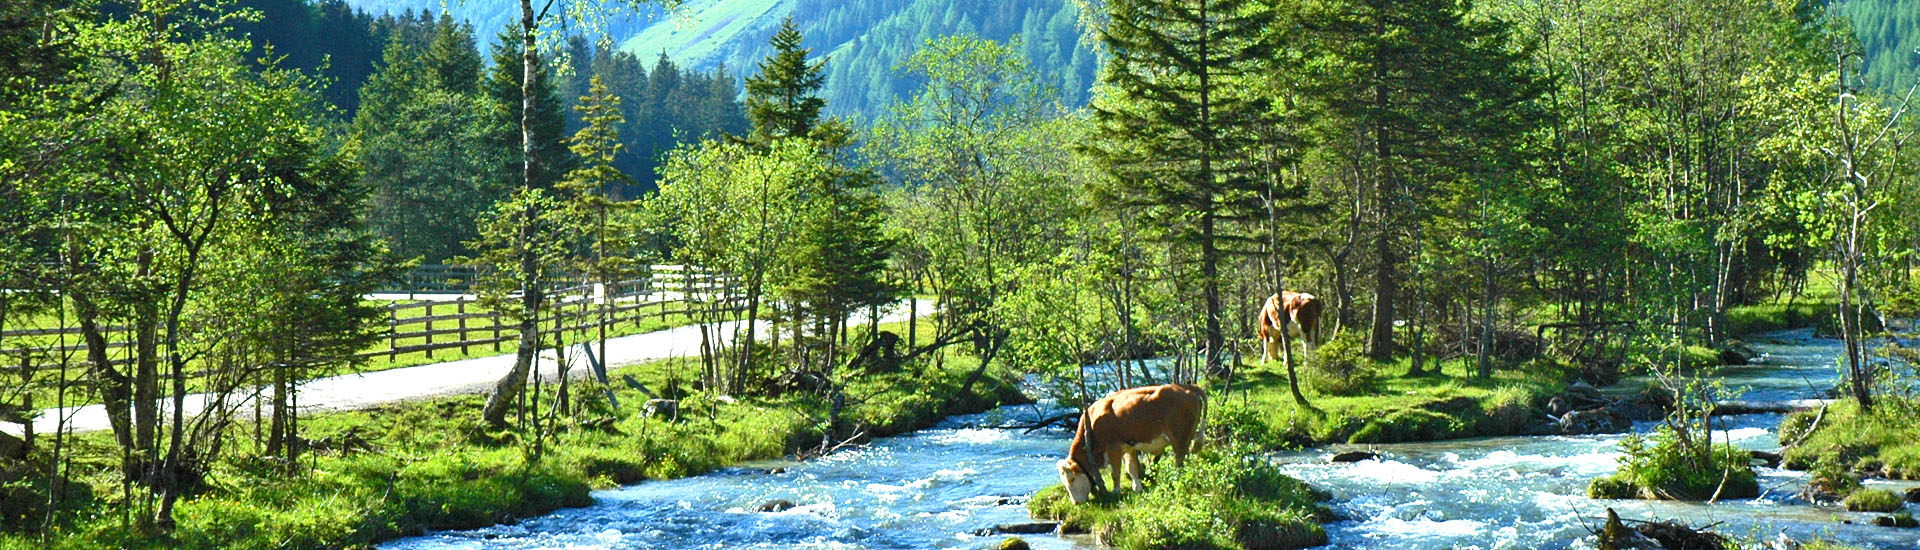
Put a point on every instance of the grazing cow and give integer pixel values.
(1299, 312)
(1126, 423)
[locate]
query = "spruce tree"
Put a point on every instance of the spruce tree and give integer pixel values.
(547, 124)
(783, 99)
(1175, 117)
(452, 58)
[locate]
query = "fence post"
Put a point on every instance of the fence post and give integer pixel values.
(496, 330)
(460, 308)
(429, 330)
(393, 327)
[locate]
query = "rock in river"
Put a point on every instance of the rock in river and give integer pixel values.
(1596, 421)
(1030, 528)
(1352, 456)
(775, 506)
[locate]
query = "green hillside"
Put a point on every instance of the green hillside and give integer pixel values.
(863, 40)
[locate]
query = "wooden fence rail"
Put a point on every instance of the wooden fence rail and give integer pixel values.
(436, 325)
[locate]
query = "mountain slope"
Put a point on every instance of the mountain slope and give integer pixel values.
(863, 41)
(1889, 32)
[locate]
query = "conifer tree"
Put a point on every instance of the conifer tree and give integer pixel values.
(783, 99)
(1172, 123)
(547, 122)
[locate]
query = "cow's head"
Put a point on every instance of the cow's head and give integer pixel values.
(1078, 481)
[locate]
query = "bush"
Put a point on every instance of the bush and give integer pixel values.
(1660, 468)
(1339, 367)
(1872, 500)
(1225, 498)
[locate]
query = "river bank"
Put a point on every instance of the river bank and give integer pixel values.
(394, 470)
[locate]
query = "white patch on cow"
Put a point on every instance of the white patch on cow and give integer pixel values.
(1154, 446)
(1079, 486)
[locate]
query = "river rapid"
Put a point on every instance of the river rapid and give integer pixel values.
(932, 488)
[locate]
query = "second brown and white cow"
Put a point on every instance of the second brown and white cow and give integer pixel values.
(1120, 426)
(1297, 312)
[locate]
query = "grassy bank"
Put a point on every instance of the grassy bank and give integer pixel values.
(1389, 406)
(1884, 442)
(428, 465)
(1225, 498)
(1658, 467)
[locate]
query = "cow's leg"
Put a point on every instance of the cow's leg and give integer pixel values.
(1269, 354)
(1113, 467)
(1136, 470)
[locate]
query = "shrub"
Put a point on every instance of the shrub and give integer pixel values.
(1340, 367)
(1232, 422)
(1872, 500)
(1661, 468)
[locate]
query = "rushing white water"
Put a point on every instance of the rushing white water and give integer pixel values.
(931, 488)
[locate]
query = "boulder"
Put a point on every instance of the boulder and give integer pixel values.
(1737, 353)
(1902, 521)
(668, 408)
(1913, 495)
(1595, 421)
(775, 506)
(12, 447)
(1013, 543)
(1352, 456)
(1771, 459)
(1584, 392)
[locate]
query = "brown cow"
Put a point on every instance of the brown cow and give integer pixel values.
(1301, 315)
(1126, 423)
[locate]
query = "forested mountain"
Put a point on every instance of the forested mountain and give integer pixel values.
(1889, 32)
(863, 42)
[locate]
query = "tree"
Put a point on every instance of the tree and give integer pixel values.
(508, 389)
(544, 112)
(1410, 78)
(783, 98)
(1171, 122)
(589, 191)
(423, 132)
(736, 208)
(979, 192)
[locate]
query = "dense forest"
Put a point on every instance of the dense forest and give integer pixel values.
(1494, 208)
(1889, 34)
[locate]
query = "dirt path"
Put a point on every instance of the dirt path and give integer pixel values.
(477, 375)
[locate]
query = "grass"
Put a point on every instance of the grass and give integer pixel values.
(1225, 498)
(1884, 442)
(1452, 404)
(1873, 500)
(407, 468)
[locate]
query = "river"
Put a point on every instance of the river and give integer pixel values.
(930, 489)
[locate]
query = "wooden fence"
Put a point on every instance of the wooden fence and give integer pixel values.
(429, 326)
